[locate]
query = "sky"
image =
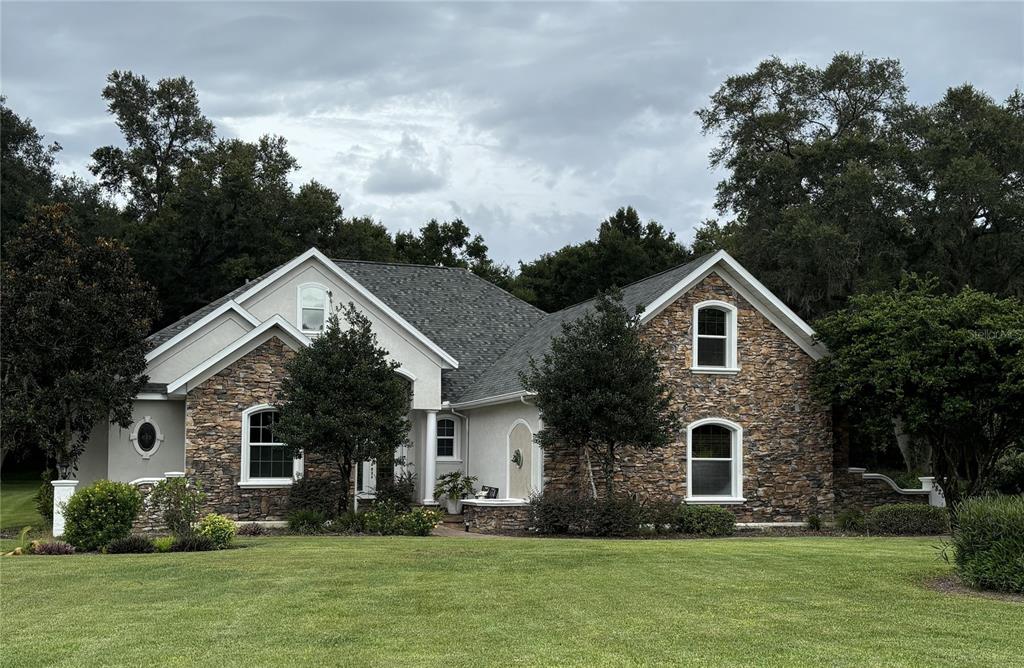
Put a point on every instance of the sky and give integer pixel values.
(532, 122)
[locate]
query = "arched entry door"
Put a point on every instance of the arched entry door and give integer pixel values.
(521, 461)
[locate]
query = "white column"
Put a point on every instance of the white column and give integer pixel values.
(430, 459)
(63, 490)
(935, 496)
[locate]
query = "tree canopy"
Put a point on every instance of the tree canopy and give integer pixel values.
(599, 389)
(343, 402)
(950, 368)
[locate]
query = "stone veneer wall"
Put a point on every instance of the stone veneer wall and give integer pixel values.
(496, 519)
(787, 447)
(149, 519)
(856, 493)
(213, 433)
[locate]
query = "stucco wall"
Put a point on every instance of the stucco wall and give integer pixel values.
(488, 441)
(92, 465)
(787, 451)
(199, 347)
(126, 464)
(282, 298)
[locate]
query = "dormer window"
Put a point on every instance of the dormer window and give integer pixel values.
(714, 338)
(312, 308)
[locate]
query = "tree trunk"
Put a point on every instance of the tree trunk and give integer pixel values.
(609, 470)
(345, 471)
(916, 456)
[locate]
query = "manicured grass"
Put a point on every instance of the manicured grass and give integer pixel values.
(17, 505)
(466, 602)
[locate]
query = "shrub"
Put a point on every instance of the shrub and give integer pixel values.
(315, 493)
(50, 548)
(851, 519)
(100, 513)
(707, 520)
(192, 543)
(44, 501)
(383, 519)
(217, 528)
(163, 543)
(814, 523)
(400, 491)
(616, 516)
(1009, 474)
(662, 514)
(907, 519)
(251, 529)
(419, 521)
(561, 513)
(988, 543)
(306, 521)
(349, 523)
(178, 502)
(134, 544)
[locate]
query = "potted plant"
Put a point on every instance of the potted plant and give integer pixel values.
(454, 487)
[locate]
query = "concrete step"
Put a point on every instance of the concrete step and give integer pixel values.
(454, 519)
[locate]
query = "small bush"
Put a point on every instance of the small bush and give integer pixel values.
(131, 545)
(251, 529)
(560, 513)
(349, 523)
(616, 516)
(400, 491)
(217, 528)
(662, 514)
(315, 493)
(100, 513)
(419, 521)
(814, 523)
(988, 543)
(163, 543)
(306, 521)
(383, 519)
(851, 519)
(178, 502)
(907, 519)
(51, 548)
(192, 544)
(44, 501)
(706, 520)
(1009, 474)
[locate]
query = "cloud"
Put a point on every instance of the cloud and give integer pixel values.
(407, 169)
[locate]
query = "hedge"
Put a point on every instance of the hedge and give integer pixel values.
(988, 543)
(907, 519)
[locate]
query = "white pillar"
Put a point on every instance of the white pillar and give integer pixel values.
(63, 490)
(935, 496)
(430, 459)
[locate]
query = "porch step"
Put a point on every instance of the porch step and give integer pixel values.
(454, 519)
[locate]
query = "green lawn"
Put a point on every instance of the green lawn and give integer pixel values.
(17, 505)
(472, 602)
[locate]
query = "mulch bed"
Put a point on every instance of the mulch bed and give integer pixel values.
(951, 585)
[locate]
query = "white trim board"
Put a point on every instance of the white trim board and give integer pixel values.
(229, 305)
(242, 345)
(355, 285)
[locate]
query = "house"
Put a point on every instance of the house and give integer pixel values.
(738, 359)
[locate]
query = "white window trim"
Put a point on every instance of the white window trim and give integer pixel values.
(457, 447)
(244, 479)
(298, 306)
(737, 462)
(731, 330)
(135, 437)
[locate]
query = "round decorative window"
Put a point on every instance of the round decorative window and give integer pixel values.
(146, 437)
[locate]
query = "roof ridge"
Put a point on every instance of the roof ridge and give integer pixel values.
(397, 264)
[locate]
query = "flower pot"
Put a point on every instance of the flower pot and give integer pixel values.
(454, 506)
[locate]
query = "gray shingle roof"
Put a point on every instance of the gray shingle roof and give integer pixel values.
(503, 376)
(490, 332)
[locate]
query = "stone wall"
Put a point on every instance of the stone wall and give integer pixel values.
(213, 433)
(149, 519)
(496, 519)
(787, 448)
(857, 493)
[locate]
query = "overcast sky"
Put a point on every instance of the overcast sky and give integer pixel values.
(531, 122)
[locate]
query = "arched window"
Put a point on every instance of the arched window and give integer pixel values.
(714, 461)
(265, 460)
(312, 307)
(447, 439)
(714, 337)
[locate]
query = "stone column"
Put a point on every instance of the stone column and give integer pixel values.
(430, 459)
(63, 490)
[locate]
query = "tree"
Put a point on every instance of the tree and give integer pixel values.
(449, 244)
(626, 250)
(599, 388)
(74, 323)
(837, 184)
(949, 368)
(342, 401)
(165, 132)
(26, 170)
